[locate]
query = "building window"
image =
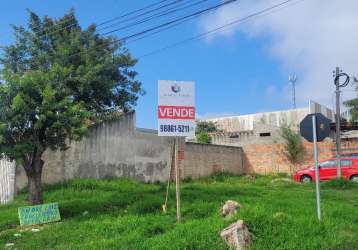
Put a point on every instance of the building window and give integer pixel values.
(265, 134)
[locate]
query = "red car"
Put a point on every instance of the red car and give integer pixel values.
(328, 170)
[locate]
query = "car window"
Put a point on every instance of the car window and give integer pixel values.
(346, 163)
(328, 164)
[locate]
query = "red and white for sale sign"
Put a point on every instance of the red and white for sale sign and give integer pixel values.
(176, 108)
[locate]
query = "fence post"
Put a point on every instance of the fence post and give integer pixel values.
(7, 181)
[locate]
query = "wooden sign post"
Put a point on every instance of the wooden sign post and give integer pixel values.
(177, 178)
(176, 118)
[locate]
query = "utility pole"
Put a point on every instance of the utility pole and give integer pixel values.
(338, 122)
(292, 79)
(337, 74)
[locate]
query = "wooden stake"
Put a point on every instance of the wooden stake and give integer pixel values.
(172, 164)
(177, 178)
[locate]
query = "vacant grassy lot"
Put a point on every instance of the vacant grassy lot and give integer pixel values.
(123, 214)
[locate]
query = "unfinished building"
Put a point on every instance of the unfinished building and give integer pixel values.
(262, 128)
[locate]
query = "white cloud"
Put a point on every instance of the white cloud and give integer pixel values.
(310, 37)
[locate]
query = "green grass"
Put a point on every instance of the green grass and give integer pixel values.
(124, 214)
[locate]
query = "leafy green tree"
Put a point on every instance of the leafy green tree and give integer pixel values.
(203, 138)
(57, 80)
(203, 128)
(353, 108)
(293, 144)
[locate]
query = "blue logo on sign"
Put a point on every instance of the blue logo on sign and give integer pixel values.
(176, 88)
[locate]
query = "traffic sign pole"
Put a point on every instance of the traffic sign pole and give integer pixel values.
(322, 127)
(318, 191)
(315, 128)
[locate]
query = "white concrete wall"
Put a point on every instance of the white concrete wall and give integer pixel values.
(118, 149)
(250, 129)
(112, 149)
(291, 117)
(7, 181)
(319, 108)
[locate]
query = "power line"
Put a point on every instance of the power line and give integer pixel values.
(197, 13)
(141, 14)
(176, 24)
(161, 26)
(237, 21)
(158, 27)
(170, 24)
(105, 22)
(129, 14)
(166, 28)
(135, 11)
(158, 31)
(157, 15)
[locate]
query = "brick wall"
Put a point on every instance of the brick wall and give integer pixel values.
(202, 160)
(269, 158)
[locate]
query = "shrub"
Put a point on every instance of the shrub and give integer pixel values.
(203, 138)
(339, 183)
(293, 145)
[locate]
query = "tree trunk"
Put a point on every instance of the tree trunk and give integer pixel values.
(35, 188)
(33, 168)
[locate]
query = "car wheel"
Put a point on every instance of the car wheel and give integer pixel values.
(354, 178)
(306, 179)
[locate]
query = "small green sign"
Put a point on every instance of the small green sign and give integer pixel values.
(32, 215)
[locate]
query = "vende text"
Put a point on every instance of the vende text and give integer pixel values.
(176, 112)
